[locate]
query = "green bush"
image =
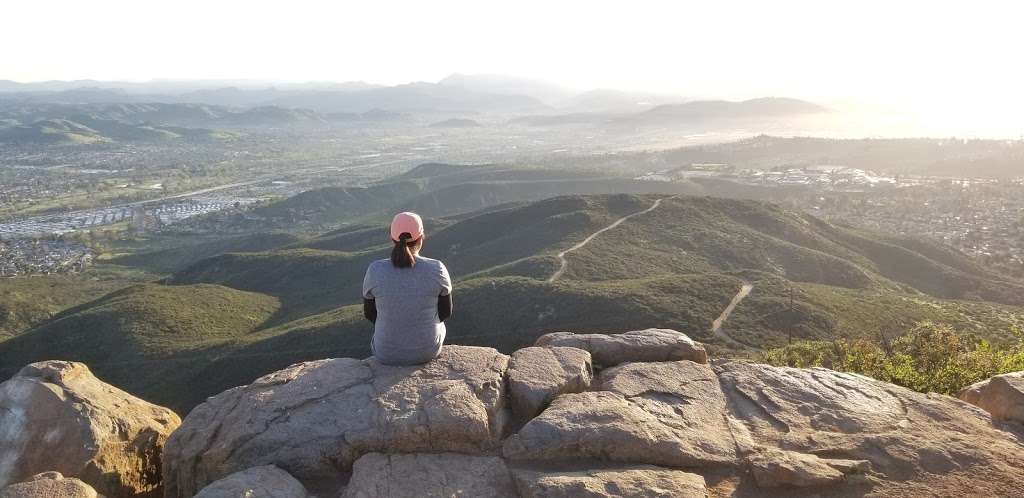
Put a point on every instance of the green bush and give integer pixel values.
(930, 357)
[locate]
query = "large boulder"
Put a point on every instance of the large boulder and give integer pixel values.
(50, 485)
(315, 419)
(775, 430)
(636, 346)
(536, 375)
(418, 475)
(1002, 396)
(639, 481)
(670, 413)
(267, 481)
(914, 443)
(56, 416)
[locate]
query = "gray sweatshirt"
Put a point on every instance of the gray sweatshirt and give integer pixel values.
(407, 330)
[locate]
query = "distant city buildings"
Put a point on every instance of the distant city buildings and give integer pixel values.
(979, 216)
(42, 257)
(141, 217)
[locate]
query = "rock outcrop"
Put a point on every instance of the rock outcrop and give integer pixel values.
(636, 346)
(536, 375)
(56, 416)
(1002, 396)
(664, 426)
(315, 419)
(912, 442)
(258, 482)
(673, 427)
(669, 413)
(50, 485)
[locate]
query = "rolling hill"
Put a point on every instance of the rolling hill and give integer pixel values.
(443, 190)
(84, 129)
(675, 265)
(179, 256)
(142, 336)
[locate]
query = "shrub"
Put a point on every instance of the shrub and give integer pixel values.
(930, 357)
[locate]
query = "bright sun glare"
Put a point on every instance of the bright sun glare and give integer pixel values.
(948, 62)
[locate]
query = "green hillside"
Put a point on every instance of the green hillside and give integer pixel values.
(684, 236)
(27, 301)
(306, 281)
(442, 190)
(144, 338)
(235, 316)
(86, 129)
(183, 254)
(49, 132)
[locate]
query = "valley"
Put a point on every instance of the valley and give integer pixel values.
(191, 247)
(234, 307)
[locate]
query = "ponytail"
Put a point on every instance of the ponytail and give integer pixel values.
(401, 254)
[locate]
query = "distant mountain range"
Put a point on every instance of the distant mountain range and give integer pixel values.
(67, 124)
(450, 95)
(50, 123)
(458, 93)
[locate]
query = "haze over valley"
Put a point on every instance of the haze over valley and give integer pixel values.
(797, 227)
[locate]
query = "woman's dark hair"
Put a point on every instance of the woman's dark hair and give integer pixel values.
(401, 254)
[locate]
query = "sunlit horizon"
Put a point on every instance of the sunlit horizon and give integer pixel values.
(949, 68)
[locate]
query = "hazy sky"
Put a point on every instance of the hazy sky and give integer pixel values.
(908, 52)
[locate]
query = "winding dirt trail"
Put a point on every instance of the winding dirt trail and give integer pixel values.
(561, 255)
(716, 326)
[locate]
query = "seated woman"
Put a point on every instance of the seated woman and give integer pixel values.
(407, 297)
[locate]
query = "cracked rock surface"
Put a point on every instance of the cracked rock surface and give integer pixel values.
(267, 481)
(315, 419)
(666, 413)
(429, 475)
(639, 481)
(536, 375)
(664, 427)
(635, 346)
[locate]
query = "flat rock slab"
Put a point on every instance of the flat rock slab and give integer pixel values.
(315, 419)
(636, 346)
(57, 416)
(50, 485)
(258, 482)
(774, 468)
(442, 475)
(812, 399)
(668, 413)
(1002, 396)
(641, 481)
(916, 444)
(536, 375)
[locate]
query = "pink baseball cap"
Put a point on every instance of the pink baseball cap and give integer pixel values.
(406, 222)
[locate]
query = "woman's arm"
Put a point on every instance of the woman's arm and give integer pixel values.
(444, 307)
(370, 309)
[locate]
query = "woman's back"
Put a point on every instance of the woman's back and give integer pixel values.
(407, 329)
